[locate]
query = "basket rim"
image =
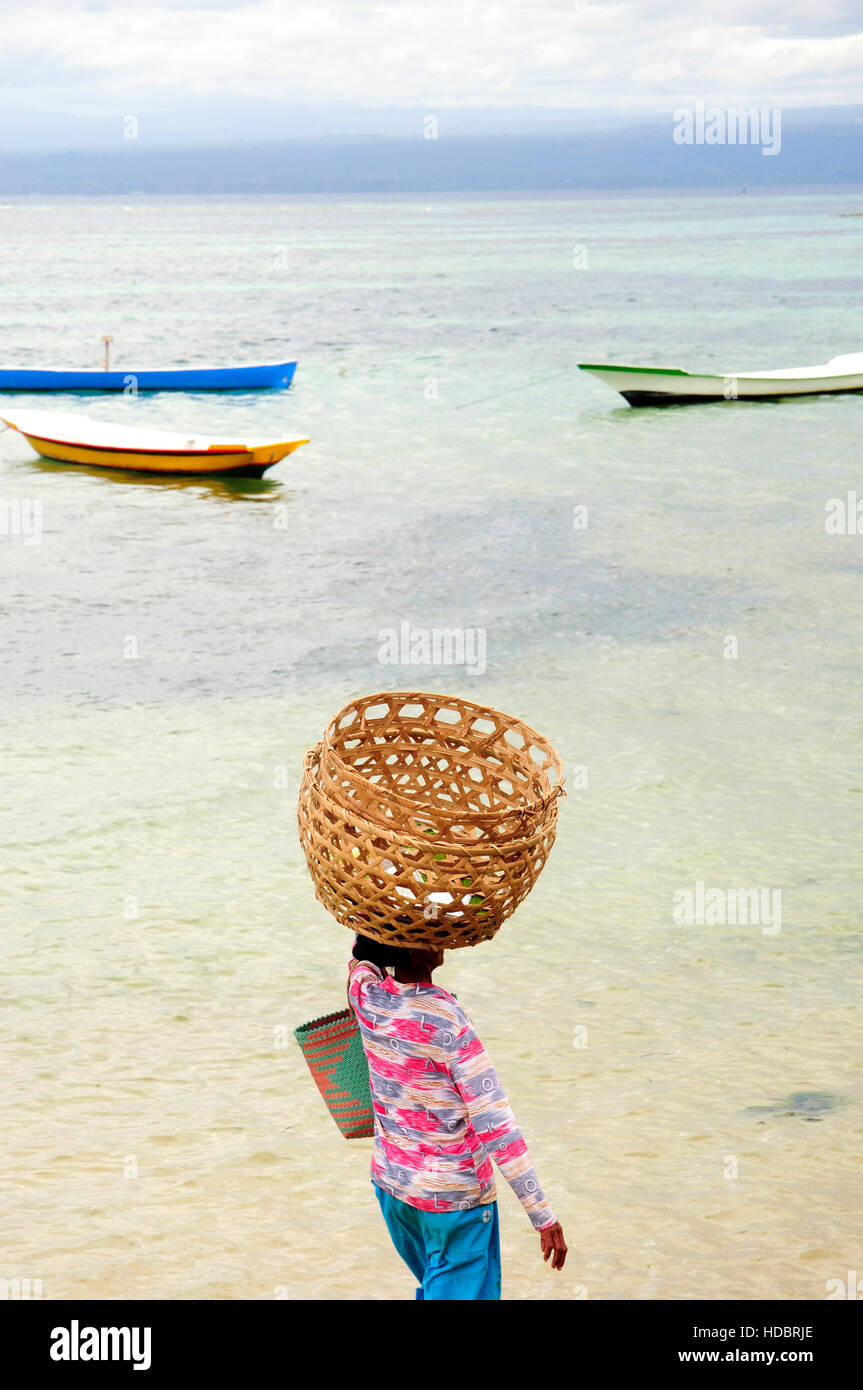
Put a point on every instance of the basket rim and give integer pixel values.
(532, 737)
(415, 809)
(350, 773)
(415, 840)
(423, 697)
(302, 1030)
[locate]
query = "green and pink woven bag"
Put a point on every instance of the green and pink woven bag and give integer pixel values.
(333, 1049)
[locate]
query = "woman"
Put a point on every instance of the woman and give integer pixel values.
(440, 1117)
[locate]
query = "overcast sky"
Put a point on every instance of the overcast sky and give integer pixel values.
(71, 71)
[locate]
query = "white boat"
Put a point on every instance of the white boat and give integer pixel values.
(673, 386)
(78, 439)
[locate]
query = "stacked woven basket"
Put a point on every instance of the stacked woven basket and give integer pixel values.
(426, 819)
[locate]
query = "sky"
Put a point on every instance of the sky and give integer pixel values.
(72, 71)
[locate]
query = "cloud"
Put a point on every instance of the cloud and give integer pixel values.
(103, 55)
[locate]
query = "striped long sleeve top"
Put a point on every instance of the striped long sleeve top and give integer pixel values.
(441, 1114)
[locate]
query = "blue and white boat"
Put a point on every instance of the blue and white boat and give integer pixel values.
(276, 375)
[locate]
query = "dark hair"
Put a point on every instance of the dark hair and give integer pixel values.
(378, 954)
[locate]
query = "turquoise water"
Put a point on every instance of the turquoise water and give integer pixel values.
(693, 652)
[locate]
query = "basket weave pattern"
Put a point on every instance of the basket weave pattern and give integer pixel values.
(333, 1049)
(425, 819)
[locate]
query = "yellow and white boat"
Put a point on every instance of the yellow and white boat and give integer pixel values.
(78, 439)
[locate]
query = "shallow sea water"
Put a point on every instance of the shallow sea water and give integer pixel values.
(161, 936)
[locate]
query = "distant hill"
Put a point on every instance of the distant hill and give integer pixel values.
(816, 149)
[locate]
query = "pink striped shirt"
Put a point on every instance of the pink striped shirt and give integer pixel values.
(441, 1114)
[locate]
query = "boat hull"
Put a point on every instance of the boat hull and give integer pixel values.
(668, 398)
(642, 386)
(244, 463)
(273, 375)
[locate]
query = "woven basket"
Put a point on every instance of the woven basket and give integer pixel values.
(333, 1049)
(426, 820)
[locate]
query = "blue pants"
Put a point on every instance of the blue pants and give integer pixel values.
(453, 1254)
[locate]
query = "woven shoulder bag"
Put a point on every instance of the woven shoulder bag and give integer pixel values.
(333, 1049)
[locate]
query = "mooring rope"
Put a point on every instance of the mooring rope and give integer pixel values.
(538, 382)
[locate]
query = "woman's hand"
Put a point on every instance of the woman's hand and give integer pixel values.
(553, 1244)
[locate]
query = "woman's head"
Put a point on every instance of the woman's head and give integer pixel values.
(405, 961)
